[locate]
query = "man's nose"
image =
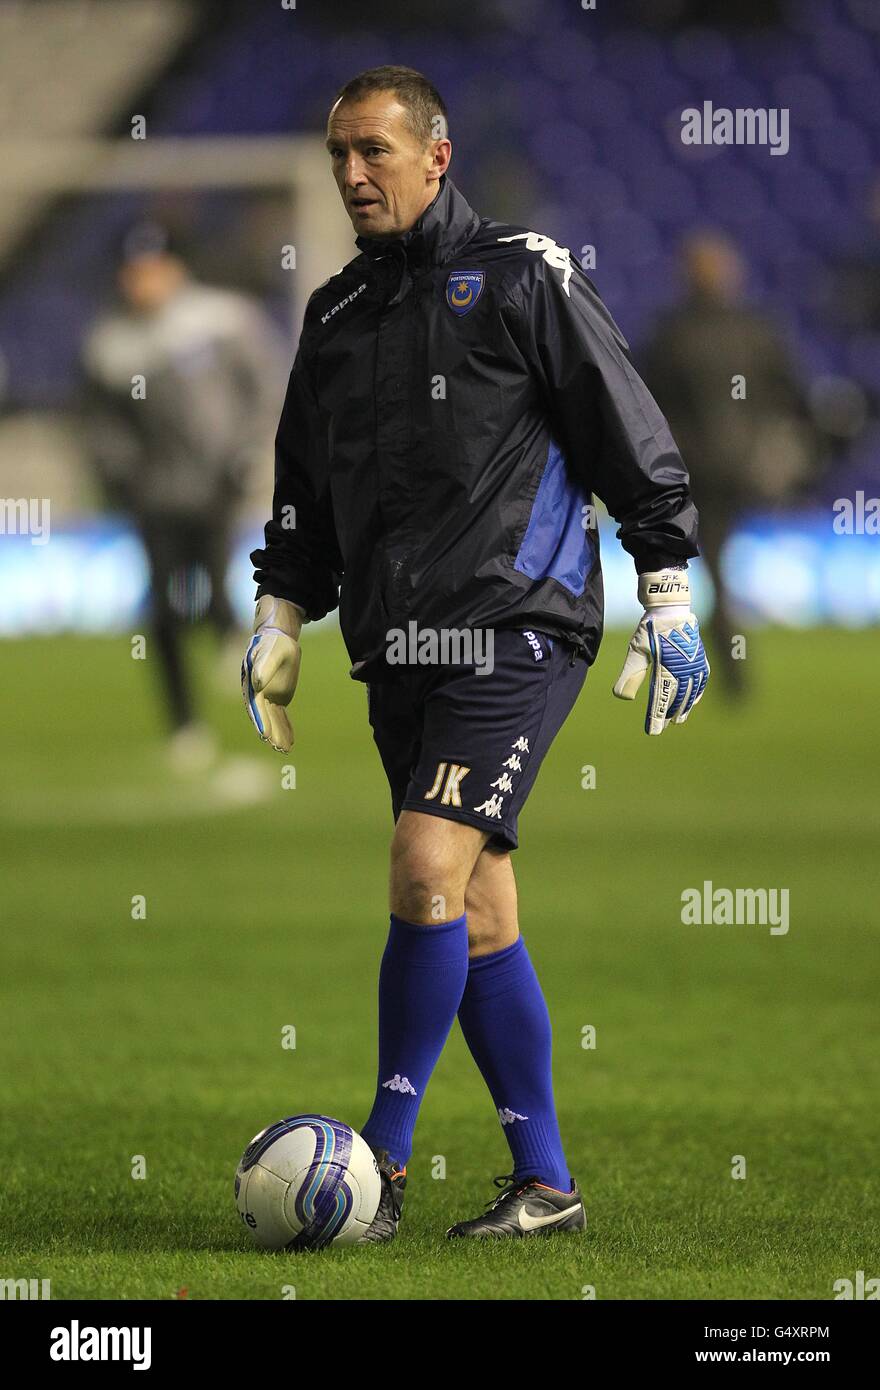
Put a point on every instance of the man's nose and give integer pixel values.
(354, 173)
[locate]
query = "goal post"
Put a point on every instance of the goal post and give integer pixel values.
(92, 576)
(318, 225)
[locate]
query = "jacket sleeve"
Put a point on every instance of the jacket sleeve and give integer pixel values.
(301, 560)
(605, 419)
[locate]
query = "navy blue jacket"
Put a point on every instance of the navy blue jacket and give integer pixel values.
(458, 396)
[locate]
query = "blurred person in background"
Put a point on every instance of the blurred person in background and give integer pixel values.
(852, 290)
(848, 294)
(182, 388)
(721, 373)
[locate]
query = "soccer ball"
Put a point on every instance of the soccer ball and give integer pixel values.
(307, 1182)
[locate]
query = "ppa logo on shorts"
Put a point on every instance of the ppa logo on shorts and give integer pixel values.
(535, 644)
(75, 1343)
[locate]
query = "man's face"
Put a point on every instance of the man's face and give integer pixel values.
(385, 177)
(714, 267)
(147, 282)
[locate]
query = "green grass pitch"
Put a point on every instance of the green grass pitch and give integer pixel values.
(162, 1037)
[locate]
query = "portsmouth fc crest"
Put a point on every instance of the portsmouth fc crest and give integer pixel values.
(463, 289)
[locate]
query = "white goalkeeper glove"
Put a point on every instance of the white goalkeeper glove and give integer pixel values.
(667, 641)
(270, 669)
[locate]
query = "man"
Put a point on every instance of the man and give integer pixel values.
(181, 396)
(746, 445)
(458, 392)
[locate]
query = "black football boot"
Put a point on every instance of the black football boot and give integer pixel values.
(526, 1207)
(385, 1222)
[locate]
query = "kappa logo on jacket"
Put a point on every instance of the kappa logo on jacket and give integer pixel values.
(325, 318)
(557, 256)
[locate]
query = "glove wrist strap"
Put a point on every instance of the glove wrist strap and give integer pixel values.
(667, 588)
(279, 613)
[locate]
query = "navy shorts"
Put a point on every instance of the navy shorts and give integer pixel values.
(468, 746)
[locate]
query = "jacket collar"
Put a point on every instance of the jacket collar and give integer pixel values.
(443, 229)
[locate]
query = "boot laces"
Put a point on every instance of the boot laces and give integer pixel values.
(512, 1186)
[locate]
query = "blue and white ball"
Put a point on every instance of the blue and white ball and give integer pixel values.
(307, 1182)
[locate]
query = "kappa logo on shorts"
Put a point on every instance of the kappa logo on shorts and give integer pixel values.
(454, 777)
(535, 644)
(491, 807)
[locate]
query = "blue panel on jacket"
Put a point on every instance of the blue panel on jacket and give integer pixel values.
(555, 542)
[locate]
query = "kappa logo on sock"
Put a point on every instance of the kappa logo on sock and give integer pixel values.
(507, 1116)
(400, 1083)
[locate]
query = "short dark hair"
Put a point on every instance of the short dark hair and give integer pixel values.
(413, 90)
(151, 237)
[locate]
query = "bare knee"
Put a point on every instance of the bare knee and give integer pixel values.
(491, 905)
(431, 862)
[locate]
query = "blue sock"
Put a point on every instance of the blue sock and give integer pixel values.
(421, 981)
(507, 1027)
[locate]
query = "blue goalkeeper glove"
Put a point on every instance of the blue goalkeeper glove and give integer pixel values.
(667, 643)
(270, 669)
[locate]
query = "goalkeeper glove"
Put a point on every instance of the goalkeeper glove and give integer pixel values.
(667, 640)
(270, 669)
